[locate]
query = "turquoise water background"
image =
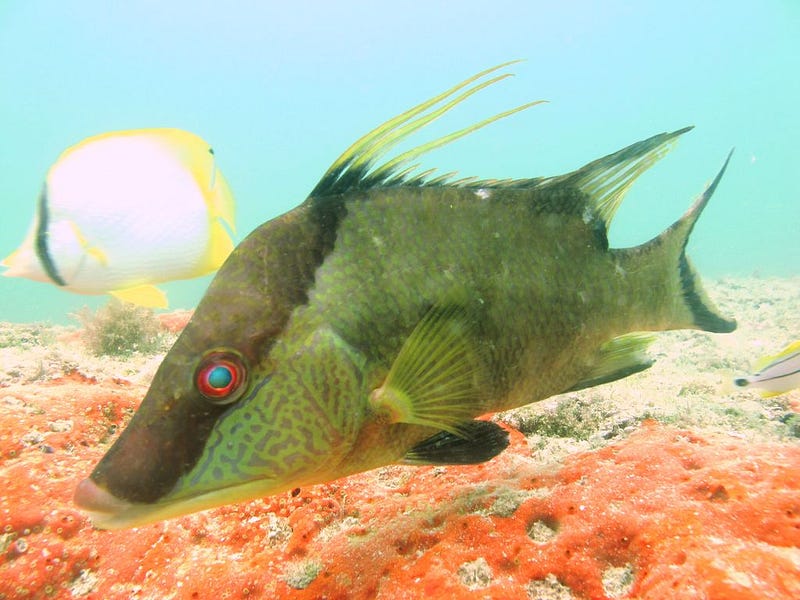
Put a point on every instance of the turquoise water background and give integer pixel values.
(281, 88)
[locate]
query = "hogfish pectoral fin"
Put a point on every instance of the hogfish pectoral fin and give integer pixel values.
(481, 441)
(619, 357)
(436, 379)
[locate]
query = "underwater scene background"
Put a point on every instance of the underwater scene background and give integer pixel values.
(280, 89)
(668, 484)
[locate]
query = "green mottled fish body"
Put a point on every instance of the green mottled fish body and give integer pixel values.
(373, 324)
(542, 291)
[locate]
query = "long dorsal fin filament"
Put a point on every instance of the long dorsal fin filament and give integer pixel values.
(355, 168)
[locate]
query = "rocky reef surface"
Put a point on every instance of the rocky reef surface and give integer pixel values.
(668, 484)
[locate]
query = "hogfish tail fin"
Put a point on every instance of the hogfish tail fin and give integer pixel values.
(669, 288)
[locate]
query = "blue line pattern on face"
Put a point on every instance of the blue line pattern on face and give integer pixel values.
(216, 439)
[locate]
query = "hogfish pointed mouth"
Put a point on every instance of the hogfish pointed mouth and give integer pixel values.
(103, 507)
(109, 512)
(93, 499)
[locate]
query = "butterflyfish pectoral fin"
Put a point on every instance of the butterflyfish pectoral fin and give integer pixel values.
(479, 441)
(436, 379)
(148, 296)
(618, 358)
(98, 255)
(92, 251)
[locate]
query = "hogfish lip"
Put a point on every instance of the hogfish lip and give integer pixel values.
(93, 499)
(101, 505)
(109, 512)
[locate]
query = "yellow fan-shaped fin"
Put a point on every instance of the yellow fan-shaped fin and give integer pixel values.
(436, 379)
(98, 255)
(95, 252)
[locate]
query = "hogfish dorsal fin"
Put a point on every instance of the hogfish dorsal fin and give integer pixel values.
(607, 180)
(355, 169)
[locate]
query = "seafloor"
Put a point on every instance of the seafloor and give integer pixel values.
(669, 484)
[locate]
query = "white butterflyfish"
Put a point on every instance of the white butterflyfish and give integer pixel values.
(123, 211)
(775, 374)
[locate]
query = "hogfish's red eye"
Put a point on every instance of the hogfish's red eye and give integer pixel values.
(220, 377)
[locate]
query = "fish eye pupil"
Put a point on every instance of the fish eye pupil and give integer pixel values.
(220, 377)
